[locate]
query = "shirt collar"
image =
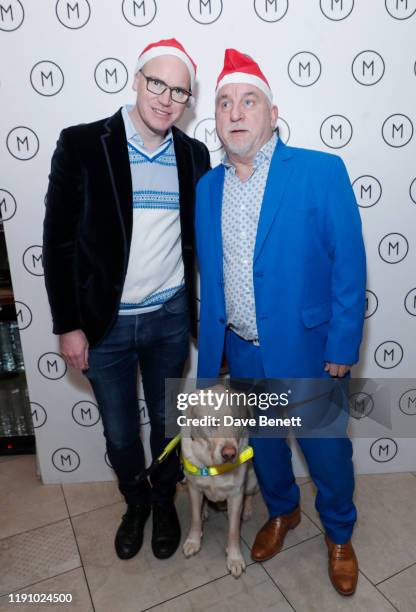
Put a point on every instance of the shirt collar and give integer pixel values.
(265, 153)
(133, 135)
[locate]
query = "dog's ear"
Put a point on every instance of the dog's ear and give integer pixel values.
(185, 429)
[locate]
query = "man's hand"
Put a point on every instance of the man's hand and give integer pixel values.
(73, 346)
(336, 370)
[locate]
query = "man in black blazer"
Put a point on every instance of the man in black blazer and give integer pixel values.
(119, 272)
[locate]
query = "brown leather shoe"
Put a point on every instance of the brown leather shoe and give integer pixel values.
(270, 538)
(342, 567)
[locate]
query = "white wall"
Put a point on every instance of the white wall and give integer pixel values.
(343, 74)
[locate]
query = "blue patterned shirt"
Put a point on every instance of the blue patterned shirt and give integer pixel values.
(241, 204)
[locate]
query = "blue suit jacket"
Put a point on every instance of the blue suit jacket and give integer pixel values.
(308, 267)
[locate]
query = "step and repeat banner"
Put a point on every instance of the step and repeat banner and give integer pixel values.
(343, 73)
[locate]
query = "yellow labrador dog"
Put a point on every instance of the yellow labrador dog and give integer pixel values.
(218, 466)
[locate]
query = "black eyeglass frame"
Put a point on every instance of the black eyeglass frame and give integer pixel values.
(166, 86)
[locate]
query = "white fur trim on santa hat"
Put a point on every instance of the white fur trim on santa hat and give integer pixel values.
(157, 51)
(243, 77)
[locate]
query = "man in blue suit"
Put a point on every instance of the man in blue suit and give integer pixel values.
(282, 268)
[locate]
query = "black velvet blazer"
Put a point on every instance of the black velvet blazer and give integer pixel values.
(89, 219)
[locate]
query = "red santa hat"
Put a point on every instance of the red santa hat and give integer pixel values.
(240, 68)
(167, 47)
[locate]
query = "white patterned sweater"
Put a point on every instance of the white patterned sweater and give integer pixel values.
(155, 270)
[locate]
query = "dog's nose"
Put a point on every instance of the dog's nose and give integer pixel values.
(228, 453)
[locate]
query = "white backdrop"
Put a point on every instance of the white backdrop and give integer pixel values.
(343, 75)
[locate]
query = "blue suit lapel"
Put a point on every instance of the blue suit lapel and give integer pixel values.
(216, 195)
(279, 173)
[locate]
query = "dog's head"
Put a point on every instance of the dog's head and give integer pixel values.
(211, 443)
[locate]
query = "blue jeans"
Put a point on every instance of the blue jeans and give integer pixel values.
(158, 343)
(329, 459)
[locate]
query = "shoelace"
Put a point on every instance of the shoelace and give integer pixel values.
(162, 517)
(277, 523)
(131, 514)
(340, 552)
(163, 521)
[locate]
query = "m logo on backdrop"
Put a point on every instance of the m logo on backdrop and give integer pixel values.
(85, 413)
(371, 303)
(383, 450)
(393, 248)
(73, 14)
(111, 75)
(39, 415)
(205, 132)
(52, 366)
(367, 190)
(66, 459)
(368, 68)
(407, 402)
(271, 10)
(410, 302)
(397, 130)
(401, 9)
(205, 11)
(412, 190)
(304, 69)
(8, 205)
(139, 13)
(336, 131)
(284, 130)
(361, 404)
(388, 354)
(47, 78)
(336, 10)
(12, 15)
(22, 143)
(23, 315)
(33, 260)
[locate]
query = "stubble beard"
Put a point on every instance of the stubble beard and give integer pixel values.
(239, 150)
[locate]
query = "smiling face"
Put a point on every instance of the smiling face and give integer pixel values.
(153, 113)
(245, 119)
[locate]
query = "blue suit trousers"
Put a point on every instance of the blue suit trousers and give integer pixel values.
(329, 459)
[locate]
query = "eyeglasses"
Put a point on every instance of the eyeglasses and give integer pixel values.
(158, 87)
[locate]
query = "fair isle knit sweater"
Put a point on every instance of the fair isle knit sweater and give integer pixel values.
(155, 269)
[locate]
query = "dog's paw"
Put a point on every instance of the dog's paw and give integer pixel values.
(191, 547)
(236, 565)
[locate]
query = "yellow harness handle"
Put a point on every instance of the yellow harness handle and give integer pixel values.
(169, 448)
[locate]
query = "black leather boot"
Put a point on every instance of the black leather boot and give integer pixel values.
(129, 536)
(166, 533)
